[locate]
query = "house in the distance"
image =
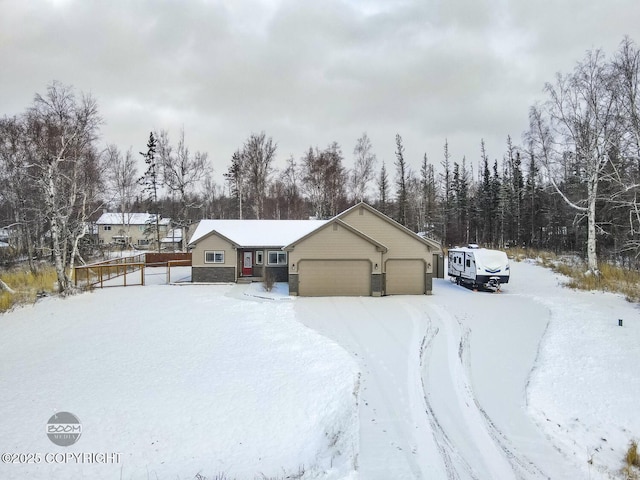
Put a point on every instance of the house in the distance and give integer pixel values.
(358, 252)
(136, 230)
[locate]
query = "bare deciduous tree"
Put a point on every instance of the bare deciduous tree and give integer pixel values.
(258, 154)
(181, 173)
(363, 168)
(122, 183)
(62, 129)
(579, 124)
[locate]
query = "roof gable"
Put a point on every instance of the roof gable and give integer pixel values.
(426, 241)
(346, 226)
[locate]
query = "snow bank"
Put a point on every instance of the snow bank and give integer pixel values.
(181, 381)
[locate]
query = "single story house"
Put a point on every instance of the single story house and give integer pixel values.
(131, 229)
(359, 252)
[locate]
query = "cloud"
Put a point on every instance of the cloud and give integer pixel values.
(306, 72)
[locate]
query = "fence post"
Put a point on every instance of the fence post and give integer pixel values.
(142, 274)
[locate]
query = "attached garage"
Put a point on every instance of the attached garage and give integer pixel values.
(405, 276)
(319, 278)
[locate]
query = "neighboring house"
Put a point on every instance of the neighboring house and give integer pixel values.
(173, 239)
(130, 229)
(7, 234)
(359, 252)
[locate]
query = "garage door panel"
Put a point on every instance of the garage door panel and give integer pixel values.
(334, 278)
(405, 277)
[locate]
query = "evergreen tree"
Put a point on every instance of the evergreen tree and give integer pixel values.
(446, 194)
(150, 183)
(401, 181)
(235, 178)
(383, 190)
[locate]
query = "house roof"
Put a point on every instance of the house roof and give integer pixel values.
(133, 218)
(256, 233)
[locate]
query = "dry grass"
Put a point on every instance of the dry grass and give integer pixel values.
(631, 469)
(27, 286)
(611, 279)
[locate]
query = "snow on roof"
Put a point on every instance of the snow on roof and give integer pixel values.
(257, 233)
(115, 218)
(174, 235)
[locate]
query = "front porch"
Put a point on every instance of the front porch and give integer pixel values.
(255, 263)
(250, 279)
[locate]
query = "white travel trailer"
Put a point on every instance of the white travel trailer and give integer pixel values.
(478, 267)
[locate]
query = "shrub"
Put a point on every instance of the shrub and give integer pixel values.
(269, 280)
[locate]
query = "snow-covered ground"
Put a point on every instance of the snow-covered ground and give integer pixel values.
(535, 382)
(182, 380)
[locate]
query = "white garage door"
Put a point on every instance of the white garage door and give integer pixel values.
(405, 277)
(318, 278)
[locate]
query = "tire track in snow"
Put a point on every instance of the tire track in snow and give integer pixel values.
(390, 406)
(479, 441)
(445, 446)
(522, 467)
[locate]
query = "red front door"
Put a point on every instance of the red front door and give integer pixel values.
(247, 264)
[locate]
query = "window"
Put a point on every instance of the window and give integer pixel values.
(468, 263)
(214, 257)
(144, 241)
(277, 258)
(259, 257)
(107, 227)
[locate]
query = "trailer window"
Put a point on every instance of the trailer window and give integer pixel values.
(468, 263)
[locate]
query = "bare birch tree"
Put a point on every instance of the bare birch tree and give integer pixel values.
(363, 168)
(63, 129)
(579, 122)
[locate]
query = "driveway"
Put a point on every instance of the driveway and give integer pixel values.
(443, 386)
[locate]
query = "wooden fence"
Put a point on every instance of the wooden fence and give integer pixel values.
(98, 273)
(162, 259)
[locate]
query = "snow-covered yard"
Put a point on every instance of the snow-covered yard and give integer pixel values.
(182, 380)
(536, 382)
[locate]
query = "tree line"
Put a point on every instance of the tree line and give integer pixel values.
(572, 183)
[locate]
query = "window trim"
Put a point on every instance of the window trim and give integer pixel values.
(278, 254)
(215, 253)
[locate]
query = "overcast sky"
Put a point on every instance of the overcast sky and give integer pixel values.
(306, 72)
